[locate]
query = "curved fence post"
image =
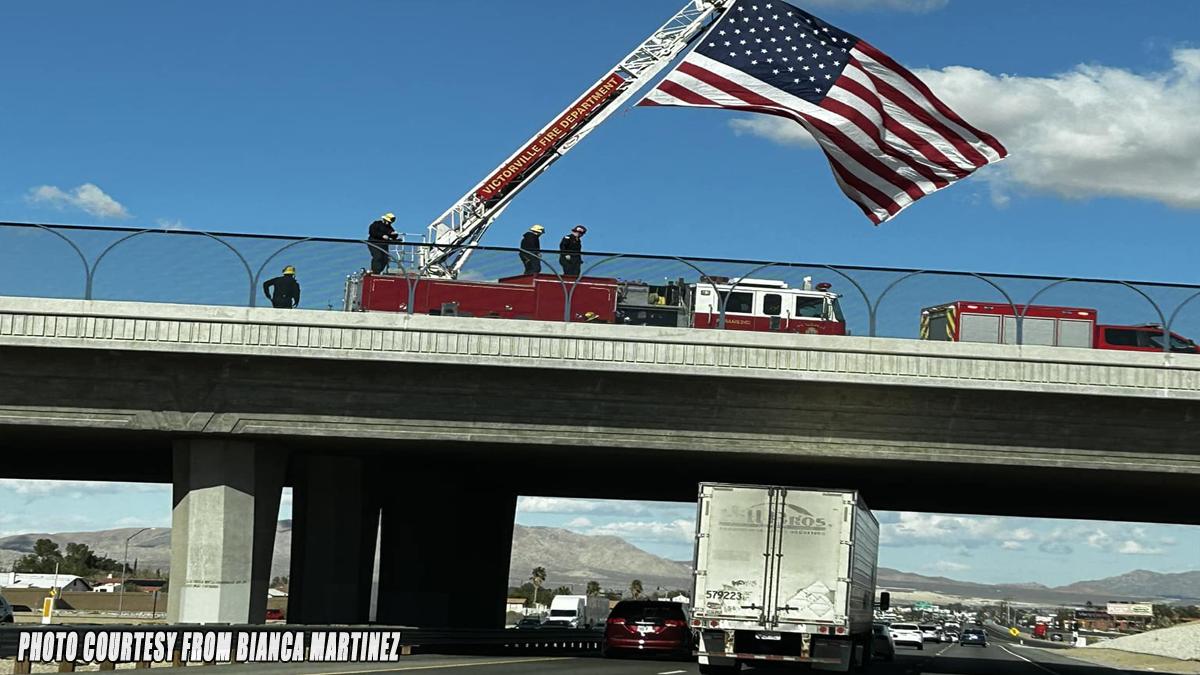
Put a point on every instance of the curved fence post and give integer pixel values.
(95, 265)
(1011, 304)
(249, 274)
(246, 265)
(258, 274)
(571, 294)
(1157, 310)
(1171, 322)
(87, 270)
(861, 291)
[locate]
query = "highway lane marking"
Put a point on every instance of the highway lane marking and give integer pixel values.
(673, 672)
(446, 665)
(1033, 663)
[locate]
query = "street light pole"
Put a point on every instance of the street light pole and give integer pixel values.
(124, 571)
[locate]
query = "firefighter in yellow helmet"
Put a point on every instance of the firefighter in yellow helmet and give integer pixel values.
(379, 234)
(286, 289)
(531, 246)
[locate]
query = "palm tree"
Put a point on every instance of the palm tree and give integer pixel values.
(538, 577)
(593, 589)
(635, 588)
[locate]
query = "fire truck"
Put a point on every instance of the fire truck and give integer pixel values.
(432, 285)
(996, 323)
(750, 304)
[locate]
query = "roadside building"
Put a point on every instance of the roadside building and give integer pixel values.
(515, 605)
(65, 582)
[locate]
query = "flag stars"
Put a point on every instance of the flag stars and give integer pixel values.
(727, 43)
(776, 71)
(828, 76)
(742, 42)
(754, 63)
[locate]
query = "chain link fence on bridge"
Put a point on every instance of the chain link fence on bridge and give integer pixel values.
(183, 266)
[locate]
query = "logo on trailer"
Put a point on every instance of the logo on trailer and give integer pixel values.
(793, 519)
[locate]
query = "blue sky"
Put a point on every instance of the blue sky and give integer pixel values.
(312, 118)
(306, 117)
(972, 548)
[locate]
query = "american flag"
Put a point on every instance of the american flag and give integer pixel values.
(889, 140)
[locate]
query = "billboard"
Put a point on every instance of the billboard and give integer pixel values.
(1130, 609)
(1091, 615)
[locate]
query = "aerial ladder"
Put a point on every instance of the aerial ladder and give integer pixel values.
(454, 234)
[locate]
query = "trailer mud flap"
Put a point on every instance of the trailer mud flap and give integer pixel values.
(832, 655)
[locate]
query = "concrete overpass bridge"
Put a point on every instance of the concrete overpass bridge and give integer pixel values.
(439, 423)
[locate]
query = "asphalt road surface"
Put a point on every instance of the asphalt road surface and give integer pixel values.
(935, 659)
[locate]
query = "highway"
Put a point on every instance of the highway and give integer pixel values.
(997, 659)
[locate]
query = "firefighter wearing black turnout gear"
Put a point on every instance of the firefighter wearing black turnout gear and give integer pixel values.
(570, 247)
(531, 245)
(378, 236)
(286, 289)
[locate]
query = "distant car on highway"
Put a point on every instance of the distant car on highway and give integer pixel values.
(931, 632)
(973, 636)
(6, 612)
(907, 634)
(882, 645)
(646, 626)
(275, 615)
(949, 636)
(529, 623)
(558, 623)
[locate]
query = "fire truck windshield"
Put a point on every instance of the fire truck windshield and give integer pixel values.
(837, 311)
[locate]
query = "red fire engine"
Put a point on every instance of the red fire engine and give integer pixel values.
(751, 304)
(996, 323)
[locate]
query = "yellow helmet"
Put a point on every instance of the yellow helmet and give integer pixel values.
(537, 228)
(389, 218)
(289, 270)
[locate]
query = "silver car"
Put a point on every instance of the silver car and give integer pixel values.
(882, 645)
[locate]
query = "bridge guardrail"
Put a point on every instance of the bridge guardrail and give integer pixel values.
(183, 266)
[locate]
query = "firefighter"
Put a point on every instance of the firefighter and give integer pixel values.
(287, 289)
(378, 236)
(570, 247)
(531, 246)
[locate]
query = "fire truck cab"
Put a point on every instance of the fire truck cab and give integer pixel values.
(761, 305)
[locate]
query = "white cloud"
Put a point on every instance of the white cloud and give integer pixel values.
(143, 522)
(573, 506)
(1090, 132)
(87, 198)
(1132, 547)
(171, 224)
(947, 566)
(673, 532)
(580, 522)
(35, 489)
(918, 6)
(1012, 546)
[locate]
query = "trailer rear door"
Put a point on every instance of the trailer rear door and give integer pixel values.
(731, 552)
(812, 560)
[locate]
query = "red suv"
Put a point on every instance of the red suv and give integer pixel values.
(647, 626)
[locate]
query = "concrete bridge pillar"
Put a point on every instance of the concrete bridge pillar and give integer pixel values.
(226, 506)
(445, 548)
(335, 516)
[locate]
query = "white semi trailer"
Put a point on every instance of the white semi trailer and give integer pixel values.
(783, 574)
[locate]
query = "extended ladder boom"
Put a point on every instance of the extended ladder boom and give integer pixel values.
(462, 225)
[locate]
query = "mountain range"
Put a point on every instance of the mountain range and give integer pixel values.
(573, 559)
